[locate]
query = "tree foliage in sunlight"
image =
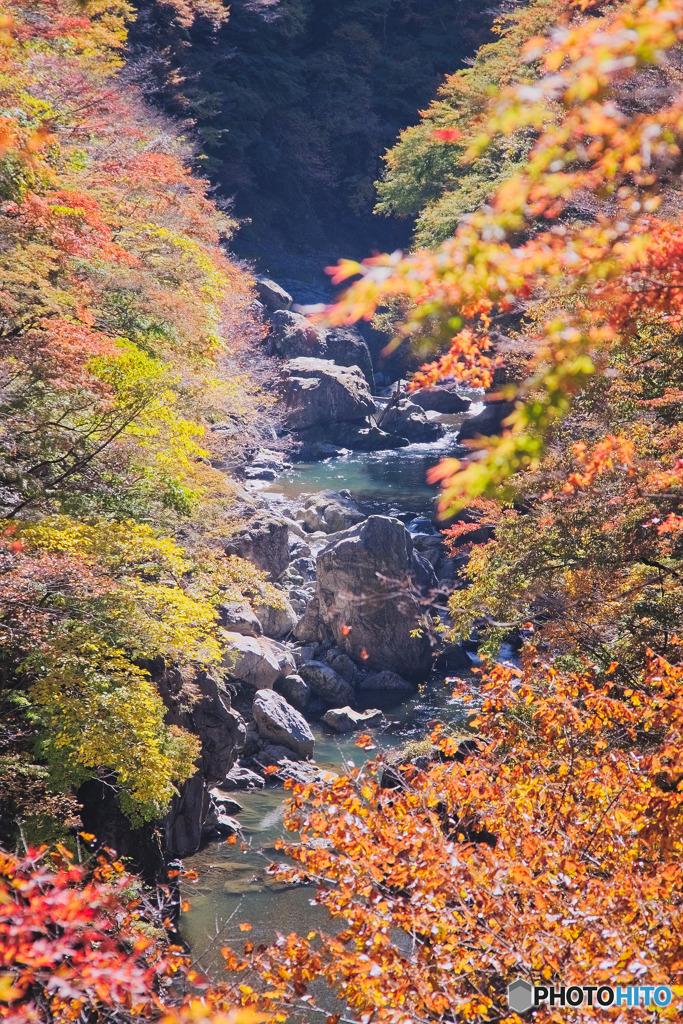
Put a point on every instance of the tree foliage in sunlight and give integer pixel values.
(425, 176)
(548, 848)
(124, 337)
(583, 239)
(552, 852)
(86, 942)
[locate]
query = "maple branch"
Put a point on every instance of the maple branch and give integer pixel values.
(78, 465)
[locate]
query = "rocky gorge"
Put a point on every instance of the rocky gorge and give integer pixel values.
(362, 585)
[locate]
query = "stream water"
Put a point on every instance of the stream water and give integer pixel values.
(388, 482)
(233, 885)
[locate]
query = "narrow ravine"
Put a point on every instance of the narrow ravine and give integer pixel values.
(233, 883)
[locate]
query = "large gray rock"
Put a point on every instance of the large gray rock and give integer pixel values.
(408, 420)
(263, 541)
(348, 720)
(303, 772)
(385, 680)
(221, 732)
(266, 464)
(371, 593)
(272, 295)
(330, 511)
(365, 437)
(440, 398)
(296, 691)
(342, 665)
(219, 824)
(276, 622)
(241, 778)
(291, 335)
(239, 618)
(257, 661)
(309, 629)
(278, 721)
(346, 347)
(317, 392)
(488, 422)
(325, 683)
(303, 567)
(453, 658)
(224, 801)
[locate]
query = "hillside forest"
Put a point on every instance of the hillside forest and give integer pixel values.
(526, 162)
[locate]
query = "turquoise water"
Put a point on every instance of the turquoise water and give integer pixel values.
(234, 886)
(388, 482)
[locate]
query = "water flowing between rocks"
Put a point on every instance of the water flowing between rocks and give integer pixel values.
(233, 885)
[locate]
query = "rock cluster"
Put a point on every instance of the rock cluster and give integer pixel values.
(355, 622)
(317, 392)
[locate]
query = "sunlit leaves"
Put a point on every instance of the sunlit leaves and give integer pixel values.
(121, 326)
(532, 856)
(575, 232)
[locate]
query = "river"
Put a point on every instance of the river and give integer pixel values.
(233, 886)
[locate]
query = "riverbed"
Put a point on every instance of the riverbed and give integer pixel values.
(233, 884)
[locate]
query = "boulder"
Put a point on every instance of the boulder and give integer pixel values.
(291, 335)
(298, 598)
(453, 658)
(239, 618)
(266, 465)
(224, 801)
(303, 567)
(348, 720)
(386, 680)
(317, 392)
(309, 629)
(440, 398)
(296, 691)
(302, 772)
(298, 534)
(241, 778)
(276, 622)
(272, 753)
(263, 541)
(408, 420)
(365, 437)
(330, 511)
(272, 295)
(342, 665)
(222, 733)
(257, 661)
(320, 451)
(488, 422)
(346, 347)
(370, 589)
(219, 824)
(278, 721)
(325, 683)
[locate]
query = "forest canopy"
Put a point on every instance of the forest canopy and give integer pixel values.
(122, 328)
(547, 843)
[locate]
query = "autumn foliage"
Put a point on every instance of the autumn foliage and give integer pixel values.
(550, 846)
(124, 333)
(85, 941)
(76, 940)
